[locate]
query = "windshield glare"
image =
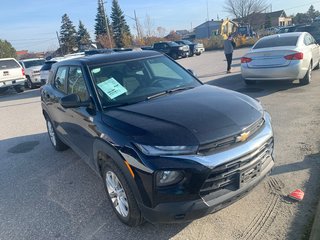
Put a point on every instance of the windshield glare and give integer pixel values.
(135, 81)
(34, 63)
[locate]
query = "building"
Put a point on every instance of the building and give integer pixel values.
(207, 29)
(267, 20)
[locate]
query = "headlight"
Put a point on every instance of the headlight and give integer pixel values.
(166, 178)
(180, 48)
(166, 150)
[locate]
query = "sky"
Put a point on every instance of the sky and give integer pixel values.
(32, 24)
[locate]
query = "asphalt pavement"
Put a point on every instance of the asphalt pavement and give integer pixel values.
(50, 195)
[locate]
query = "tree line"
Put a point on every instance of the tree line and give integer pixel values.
(108, 34)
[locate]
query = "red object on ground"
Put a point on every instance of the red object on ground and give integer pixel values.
(297, 195)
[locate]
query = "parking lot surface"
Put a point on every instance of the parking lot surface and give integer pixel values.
(50, 195)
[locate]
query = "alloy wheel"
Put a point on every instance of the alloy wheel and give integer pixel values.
(117, 194)
(51, 133)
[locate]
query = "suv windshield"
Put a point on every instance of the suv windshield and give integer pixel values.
(138, 80)
(277, 42)
(173, 44)
(34, 63)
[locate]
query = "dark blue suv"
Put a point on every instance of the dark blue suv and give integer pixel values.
(167, 147)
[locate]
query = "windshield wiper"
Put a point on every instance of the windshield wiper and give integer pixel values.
(168, 92)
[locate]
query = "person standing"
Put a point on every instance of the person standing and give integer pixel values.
(228, 46)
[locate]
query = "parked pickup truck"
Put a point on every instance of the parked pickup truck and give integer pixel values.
(195, 48)
(11, 75)
(32, 69)
(171, 49)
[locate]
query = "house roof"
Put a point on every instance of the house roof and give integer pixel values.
(277, 14)
(210, 23)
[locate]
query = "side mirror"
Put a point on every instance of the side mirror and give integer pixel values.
(73, 101)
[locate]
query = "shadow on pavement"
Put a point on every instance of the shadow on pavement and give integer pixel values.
(307, 207)
(54, 195)
(261, 89)
(11, 95)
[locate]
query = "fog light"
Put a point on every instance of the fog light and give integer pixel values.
(166, 178)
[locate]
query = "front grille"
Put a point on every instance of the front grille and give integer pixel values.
(227, 177)
(208, 148)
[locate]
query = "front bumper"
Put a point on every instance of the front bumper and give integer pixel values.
(188, 211)
(246, 157)
(36, 80)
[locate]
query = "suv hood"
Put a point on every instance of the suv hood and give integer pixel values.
(192, 117)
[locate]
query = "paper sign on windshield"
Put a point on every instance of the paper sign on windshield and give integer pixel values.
(112, 88)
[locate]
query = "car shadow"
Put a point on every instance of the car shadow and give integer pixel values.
(260, 89)
(11, 94)
(60, 193)
(305, 208)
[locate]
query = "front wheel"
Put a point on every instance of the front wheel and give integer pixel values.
(54, 139)
(307, 78)
(174, 56)
(19, 89)
(30, 83)
(120, 195)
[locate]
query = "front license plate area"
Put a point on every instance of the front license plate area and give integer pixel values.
(249, 175)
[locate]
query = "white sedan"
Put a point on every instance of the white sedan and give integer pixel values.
(287, 56)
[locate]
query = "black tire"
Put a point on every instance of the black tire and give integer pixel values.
(307, 78)
(198, 53)
(29, 83)
(174, 56)
(54, 139)
(134, 217)
(19, 89)
(250, 82)
(318, 66)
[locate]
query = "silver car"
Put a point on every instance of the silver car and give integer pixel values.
(287, 56)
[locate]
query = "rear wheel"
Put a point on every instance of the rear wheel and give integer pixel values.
(250, 82)
(318, 65)
(54, 139)
(120, 195)
(307, 78)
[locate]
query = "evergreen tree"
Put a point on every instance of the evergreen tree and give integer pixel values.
(68, 35)
(83, 36)
(312, 13)
(6, 50)
(102, 26)
(121, 30)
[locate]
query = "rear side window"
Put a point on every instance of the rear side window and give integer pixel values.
(60, 79)
(8, 64)
(277, 42)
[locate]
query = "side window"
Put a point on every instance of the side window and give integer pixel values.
(76, 83)
(60, 79)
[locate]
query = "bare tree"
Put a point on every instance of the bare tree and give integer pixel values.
(244, 8)
(161, 32)
(149, 26)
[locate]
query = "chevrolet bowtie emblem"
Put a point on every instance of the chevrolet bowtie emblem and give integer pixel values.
(243, 137)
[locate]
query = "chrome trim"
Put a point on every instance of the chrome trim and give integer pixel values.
(213, 160)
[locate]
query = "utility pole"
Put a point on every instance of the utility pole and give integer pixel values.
(137, 25)
(107, 25)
